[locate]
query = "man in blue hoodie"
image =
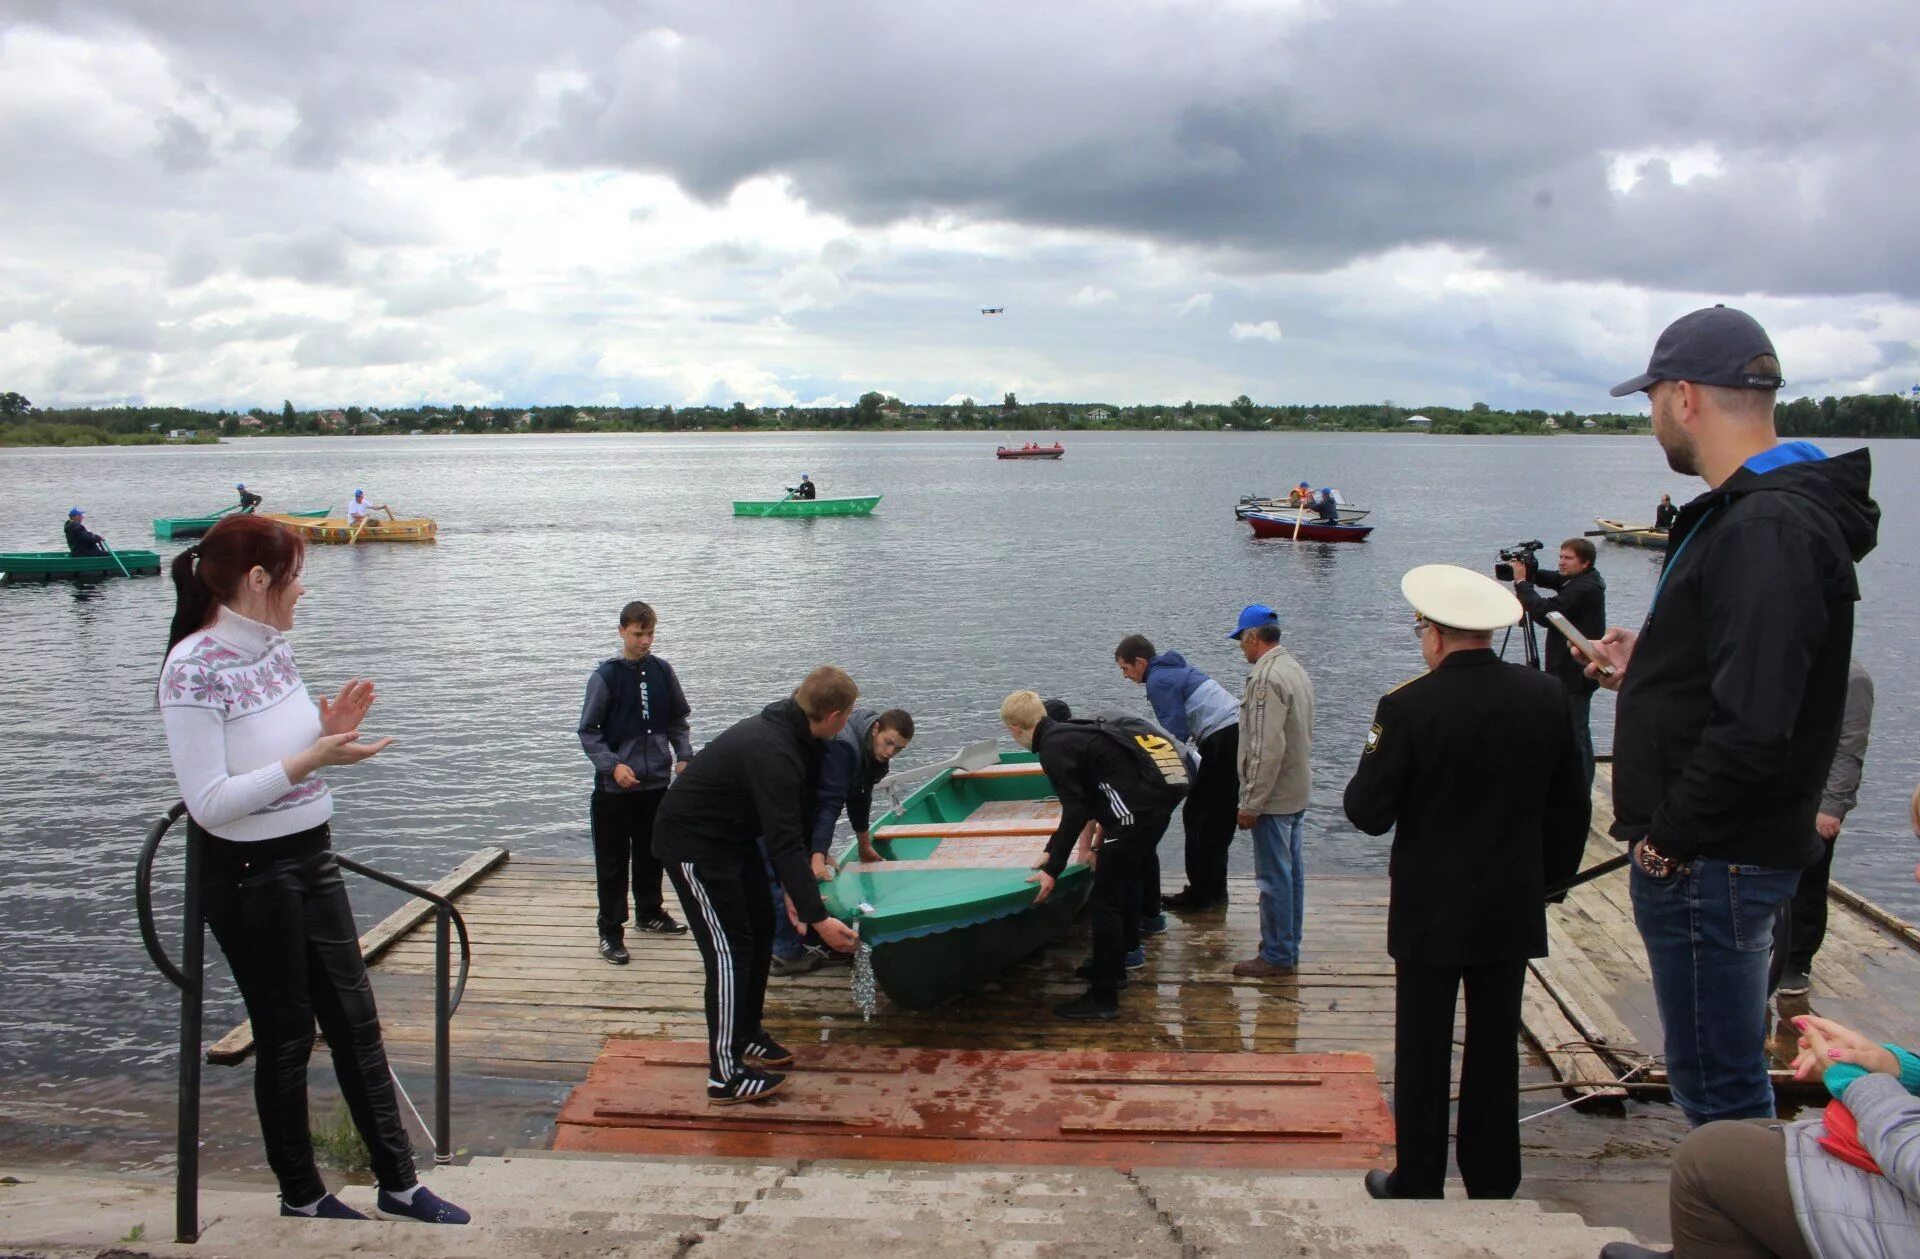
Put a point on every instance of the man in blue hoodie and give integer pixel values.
(1194, 709)
(1731, 697)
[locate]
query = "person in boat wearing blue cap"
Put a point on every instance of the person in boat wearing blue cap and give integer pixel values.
(1328, 506)
(1300, 495)
(805, 489)
(1276, 743)
(80, 539)
(248, 499)
(357, 509)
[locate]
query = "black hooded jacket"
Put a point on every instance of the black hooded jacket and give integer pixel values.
(1731, 707)
(757, 779)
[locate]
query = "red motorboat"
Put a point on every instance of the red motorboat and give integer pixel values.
(1305, 529)
(1030, 451)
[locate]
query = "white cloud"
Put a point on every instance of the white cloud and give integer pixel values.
(1093, 295)
(1265, 330)
(1198, 303)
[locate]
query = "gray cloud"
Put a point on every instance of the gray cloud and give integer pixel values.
(346, 345)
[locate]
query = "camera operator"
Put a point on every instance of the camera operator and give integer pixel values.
(1579, 593)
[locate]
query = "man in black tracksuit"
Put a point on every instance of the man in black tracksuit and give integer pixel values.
(1579, 593)
(1731, 697)
(756, 780)
(1473, 768)
(1098, 779)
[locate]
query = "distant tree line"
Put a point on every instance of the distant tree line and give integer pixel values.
(23, 424)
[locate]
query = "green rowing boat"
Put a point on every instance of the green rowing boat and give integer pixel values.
(194, 526)
(861, 505)
(19, 566)
(951, 908)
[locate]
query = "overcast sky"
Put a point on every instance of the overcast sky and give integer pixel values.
(596, 201)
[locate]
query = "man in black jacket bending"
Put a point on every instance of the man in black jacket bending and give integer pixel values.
(1473, 767)
(1730, 698)
(1579, 593)
(1099, 779)
(757, 779)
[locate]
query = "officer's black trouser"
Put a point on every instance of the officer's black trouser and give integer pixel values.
(1488, 1144)
(279, 911)
(729, 905)
(1581, 702)
(623, 857)
(1209, 815)
(1114, 904)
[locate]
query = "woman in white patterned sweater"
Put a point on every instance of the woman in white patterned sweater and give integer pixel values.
(247, 742)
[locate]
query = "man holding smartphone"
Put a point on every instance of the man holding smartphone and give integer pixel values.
(1579, 593)
(1731, 695)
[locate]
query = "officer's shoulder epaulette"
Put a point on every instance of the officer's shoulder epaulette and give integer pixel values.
(1404, 685)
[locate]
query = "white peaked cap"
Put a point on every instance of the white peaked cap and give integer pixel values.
(1459, 598)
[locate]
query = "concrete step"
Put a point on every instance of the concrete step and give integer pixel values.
(904, 1234)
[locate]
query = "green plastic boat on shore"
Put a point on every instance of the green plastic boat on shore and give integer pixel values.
(19, 566)
(194, 526)
(860, 505)
(951, 907)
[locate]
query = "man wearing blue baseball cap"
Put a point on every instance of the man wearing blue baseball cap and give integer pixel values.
(80, 539)
(805, 489)
(1276, 740)
(248, 499)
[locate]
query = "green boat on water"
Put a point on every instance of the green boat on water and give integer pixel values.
(859, 505)
(950, 907)
(19, 566)
(194, 526)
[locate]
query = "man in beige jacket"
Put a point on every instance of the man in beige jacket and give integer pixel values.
(1276, 739)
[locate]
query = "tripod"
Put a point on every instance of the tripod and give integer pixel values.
(1530, 647)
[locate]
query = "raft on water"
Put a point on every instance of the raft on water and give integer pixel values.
(195, 526)
(1632, 535)
(19, 566)
(858, 505)
(951, 906)
(337, 529)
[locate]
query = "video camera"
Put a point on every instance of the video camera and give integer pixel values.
(1523, 551)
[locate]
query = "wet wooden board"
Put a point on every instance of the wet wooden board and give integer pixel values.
(1090, 1108)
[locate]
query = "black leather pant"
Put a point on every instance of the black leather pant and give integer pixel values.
(279, 910)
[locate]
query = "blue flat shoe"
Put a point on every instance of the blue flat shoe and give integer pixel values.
(427, 1207)
(330, 1208)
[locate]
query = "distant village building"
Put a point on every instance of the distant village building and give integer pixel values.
(250, 421)
(182, 434)
(1424, 421)
(1588, 424)
(525, 420)
(1099, 413)
(1549, 422)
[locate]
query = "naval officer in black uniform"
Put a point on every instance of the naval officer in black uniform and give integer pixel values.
(1473, 766)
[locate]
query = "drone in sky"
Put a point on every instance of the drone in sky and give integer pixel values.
(993, 310)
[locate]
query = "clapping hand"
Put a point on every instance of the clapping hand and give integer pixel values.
(1824, 1042)
(347, 709)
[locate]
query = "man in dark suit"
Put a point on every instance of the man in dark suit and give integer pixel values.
(1473, 766)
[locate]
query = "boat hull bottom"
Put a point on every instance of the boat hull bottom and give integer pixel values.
(925, 971)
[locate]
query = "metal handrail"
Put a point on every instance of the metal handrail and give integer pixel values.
(188, 978)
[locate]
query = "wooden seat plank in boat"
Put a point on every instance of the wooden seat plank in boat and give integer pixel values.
(1028, 770)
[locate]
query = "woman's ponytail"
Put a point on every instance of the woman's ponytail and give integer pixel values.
(211, 572)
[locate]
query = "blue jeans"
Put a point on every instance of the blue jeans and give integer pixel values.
(1708, 934)
(788, 944)
(1282, 877)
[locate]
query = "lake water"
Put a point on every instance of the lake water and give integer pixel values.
(974, 578)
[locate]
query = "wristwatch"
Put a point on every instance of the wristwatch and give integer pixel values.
(1656, 865)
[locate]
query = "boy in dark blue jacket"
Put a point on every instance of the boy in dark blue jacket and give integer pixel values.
(633, 728)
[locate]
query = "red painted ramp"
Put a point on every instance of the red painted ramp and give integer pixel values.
(1086, 1107)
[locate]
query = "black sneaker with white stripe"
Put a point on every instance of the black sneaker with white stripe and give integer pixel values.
(763, 1050)
(747, 1086)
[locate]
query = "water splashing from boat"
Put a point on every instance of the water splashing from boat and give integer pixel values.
(866, 993)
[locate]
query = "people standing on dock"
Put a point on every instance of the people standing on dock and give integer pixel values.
(1197, 710)
(247, 744)
(1578, 592)
(1802, 926)
(1663, 516)
(633, 727)
(1731, 697)
(1474, 768)
(248, 499)
(852, 764)
(756, 780)
(1276, 748)
(80, 539)
(1124, 775)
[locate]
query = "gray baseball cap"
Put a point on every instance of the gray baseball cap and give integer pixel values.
(1708, 347)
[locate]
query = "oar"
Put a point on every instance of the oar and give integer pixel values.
(977, 755)
(1300, 512)
(116, 558)
(355, 535)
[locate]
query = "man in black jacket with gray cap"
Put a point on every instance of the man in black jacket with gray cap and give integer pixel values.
(1730, 697)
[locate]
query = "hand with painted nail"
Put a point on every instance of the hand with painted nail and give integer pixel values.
(1824, 1042)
